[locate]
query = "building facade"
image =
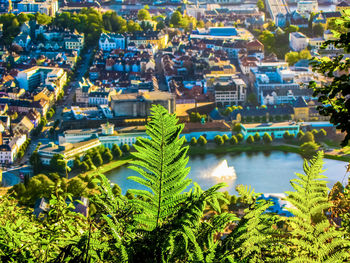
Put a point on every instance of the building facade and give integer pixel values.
(275, 130)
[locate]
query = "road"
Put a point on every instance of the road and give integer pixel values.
(68, 102)
(159, 72)
(45, 136)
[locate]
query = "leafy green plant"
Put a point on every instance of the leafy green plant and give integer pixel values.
(313, 238)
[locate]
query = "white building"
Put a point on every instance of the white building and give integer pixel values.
(232, 93)
(108, 42)
(68, 150)
(275, 130)
(298, 41)
(8, 152)
(307, 7)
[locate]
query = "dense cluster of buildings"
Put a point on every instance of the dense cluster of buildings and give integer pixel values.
(220, 65)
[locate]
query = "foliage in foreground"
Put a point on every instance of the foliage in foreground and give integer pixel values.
(167, 224)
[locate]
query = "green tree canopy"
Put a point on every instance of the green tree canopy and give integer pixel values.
(143, 14)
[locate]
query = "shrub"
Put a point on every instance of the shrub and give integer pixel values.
(240, 137)
(287, 136)
(126, 148)
(225, 138)
(250, 139)
(307, 137)
(219, 140)
(267, 138)
(233, 140)
(117, 153)
(202, 141)
(193, 141)
(300, 134)
(257, 137)
(321, 135)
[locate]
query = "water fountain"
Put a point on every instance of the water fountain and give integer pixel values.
(223, 171)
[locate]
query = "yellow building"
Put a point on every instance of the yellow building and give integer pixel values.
(301, 109)
(46, 95)
(341, 7)
(157, 38)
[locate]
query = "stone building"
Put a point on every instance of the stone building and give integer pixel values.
(139, 104)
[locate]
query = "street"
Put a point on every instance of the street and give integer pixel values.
(68, 102)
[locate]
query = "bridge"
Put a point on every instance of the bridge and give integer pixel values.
(276, 7)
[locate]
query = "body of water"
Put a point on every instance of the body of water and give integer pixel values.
(265, 172)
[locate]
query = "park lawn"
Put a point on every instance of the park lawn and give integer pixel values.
(108, 167)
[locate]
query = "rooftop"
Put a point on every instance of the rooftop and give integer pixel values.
(270, 124)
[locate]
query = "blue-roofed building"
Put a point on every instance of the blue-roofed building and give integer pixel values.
(275, 130)
(223, 31)
(279, 206)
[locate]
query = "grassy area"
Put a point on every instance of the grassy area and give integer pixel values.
(343, 158)
(108, 167)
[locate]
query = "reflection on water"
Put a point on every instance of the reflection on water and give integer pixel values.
(266, 173)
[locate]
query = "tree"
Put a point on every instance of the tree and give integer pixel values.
(317, 30)
(261, 5)
(287, 136)
(107, 156)
(193, 141)
(252, 99)
(84, 166)
(250, 139)
(97, 160)
(36, 162)
(58, 164)
(304, 54)
(133, 26)
(267, 138)
(76, 187)
(240, 137)
(202, 140)
(76, 163)
(268, 39)
(176, 19)
(257, 137)
(233, 140)
(307, 137)
(125, 148)
(218, 140)
(225, 138)
(292, 58)
(321, 135)
(43, 19)
(237, 127)
(160, 25)
(117, 153)
(335, 95)
(300, 134)
(309, 149)
(143, 14)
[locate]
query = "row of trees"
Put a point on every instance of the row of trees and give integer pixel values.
(23, 148)
(176, 225)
